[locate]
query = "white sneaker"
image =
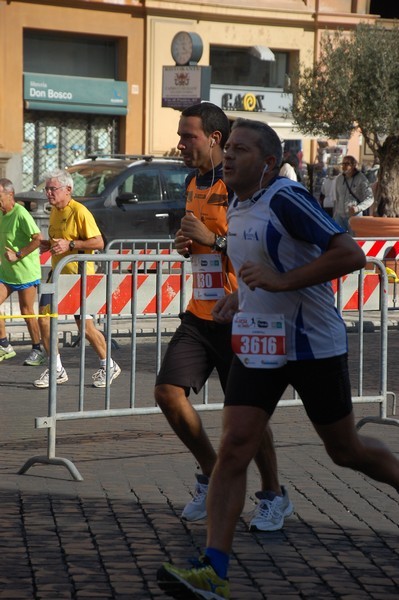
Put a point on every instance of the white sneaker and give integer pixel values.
(100, 376)
(35, 358)
(196, 508)
(44, 379)
(269, 514)
(7, 352)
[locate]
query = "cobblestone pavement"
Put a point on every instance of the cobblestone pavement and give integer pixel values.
(105, 537)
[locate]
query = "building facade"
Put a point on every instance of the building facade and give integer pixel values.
(97, 77)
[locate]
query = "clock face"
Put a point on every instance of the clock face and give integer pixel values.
(186, 47)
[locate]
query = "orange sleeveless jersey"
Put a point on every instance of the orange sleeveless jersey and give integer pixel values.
(210, 205)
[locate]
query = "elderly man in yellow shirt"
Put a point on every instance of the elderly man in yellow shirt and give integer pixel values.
(72, 229)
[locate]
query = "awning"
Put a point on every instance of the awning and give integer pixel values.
(284, 127)
(263, 53)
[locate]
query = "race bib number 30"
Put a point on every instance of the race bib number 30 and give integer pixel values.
(259, 340)
(207, 276)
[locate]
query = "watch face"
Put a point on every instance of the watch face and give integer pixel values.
(221, 242)
(182, 47)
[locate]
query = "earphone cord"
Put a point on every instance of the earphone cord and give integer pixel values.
(213, 168)
(265, 169)
(212, 181)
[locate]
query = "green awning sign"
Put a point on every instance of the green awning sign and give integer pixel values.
(75, 94)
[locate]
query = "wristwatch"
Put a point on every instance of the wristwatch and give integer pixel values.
(71, 245)
(19, 254)
(220, 243)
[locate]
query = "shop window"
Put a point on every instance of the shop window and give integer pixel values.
(52, 140)
(78, 56)
(236, 66)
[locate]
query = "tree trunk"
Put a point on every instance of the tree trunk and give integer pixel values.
(387, 189)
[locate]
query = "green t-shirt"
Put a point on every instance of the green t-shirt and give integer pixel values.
(16, 230)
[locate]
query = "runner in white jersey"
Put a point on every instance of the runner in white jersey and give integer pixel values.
(286, 331)
(271, 229)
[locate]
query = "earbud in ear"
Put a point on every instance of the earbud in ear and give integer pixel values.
(265, 170)
(213, 142)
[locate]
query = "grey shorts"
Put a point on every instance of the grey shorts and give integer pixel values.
(196, 348)
(323, 386)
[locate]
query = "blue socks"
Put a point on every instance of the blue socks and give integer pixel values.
(219, 561)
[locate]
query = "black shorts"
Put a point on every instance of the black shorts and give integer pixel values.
(196, 348)
(323, 386)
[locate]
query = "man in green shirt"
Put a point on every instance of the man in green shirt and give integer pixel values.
(20, 269)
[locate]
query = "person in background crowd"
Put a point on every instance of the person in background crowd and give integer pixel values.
(353, 193)
(199, 344)
(327, 192)
(290, 167)
(72, 230)
(20, 269)
(285, 250)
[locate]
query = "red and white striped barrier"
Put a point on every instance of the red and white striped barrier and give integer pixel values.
(122, 294)
(45, 259)
(350, 291)
(381, 249)
(378, 248)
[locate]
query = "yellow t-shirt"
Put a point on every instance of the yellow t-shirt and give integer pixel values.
(210, 205)
(74, 222)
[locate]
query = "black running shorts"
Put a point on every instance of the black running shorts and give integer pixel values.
(323, 386)
(196, 348)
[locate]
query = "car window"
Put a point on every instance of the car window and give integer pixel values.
(175, 183)
(144, 184)
(90, 180)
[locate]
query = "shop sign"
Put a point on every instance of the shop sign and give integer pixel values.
(249, 102)
(234, 98)
(184, 86)
(44, 92)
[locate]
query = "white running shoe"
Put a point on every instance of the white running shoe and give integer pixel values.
(44, 379)
(196, 508)
(7, 352)
(35, 358)
(269, 514)
(100, 376)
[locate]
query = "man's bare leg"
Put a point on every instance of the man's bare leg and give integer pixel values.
(243, 429)
(95, 338)
(27, 299)
(365, 454)
(186, 423)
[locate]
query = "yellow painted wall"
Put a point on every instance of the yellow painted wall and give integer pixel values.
(161, 123)
(147, 28)
(16, 16)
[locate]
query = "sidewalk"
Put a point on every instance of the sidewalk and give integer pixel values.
(105, 537)
(17, 330)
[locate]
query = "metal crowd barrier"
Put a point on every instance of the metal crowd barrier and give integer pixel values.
(160, 265)
(386, 250)
(121, 246)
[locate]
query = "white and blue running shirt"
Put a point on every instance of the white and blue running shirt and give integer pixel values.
(284, 227)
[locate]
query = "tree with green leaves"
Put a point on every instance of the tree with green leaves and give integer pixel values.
(354, 85)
